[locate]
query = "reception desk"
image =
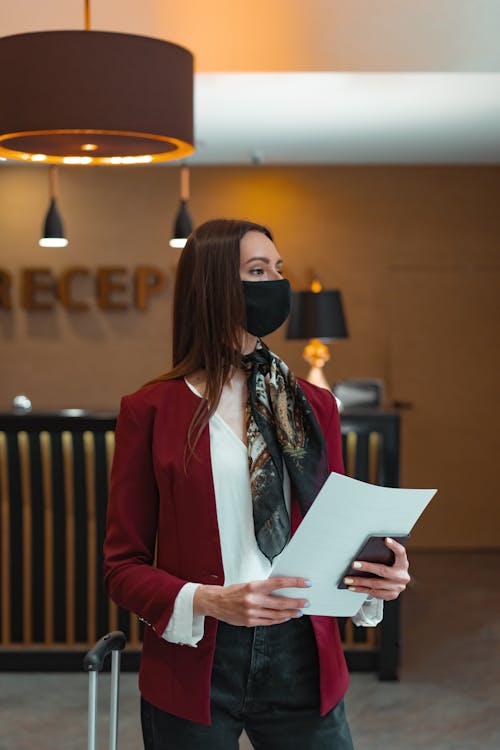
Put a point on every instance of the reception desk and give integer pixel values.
(54, 475)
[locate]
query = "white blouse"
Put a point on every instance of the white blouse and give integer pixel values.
(242, 559)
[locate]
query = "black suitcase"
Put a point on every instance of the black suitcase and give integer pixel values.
(113, 643)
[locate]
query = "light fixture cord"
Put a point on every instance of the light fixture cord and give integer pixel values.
(184, 183)
(53, 182)
(87, 15)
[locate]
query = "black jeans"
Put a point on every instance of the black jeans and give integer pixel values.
(264, 680)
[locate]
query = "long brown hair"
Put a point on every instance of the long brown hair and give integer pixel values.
(209, 312)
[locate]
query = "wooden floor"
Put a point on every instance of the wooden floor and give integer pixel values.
(448, 697)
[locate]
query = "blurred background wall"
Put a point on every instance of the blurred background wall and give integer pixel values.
(414, 249)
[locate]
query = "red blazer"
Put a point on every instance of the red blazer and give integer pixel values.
(151, 497)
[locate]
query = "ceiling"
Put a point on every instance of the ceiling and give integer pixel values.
(322, 81)
(332, 118)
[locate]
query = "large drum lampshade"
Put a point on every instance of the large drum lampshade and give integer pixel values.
(95, 97)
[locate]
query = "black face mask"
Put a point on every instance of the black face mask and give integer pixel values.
(267, 305)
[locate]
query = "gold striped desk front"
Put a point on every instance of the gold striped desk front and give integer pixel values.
(54, 478)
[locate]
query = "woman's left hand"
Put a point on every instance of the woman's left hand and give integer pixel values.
(392, 579)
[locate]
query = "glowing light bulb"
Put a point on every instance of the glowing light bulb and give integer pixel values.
(316, 286)
(53, 242)
(77, 160)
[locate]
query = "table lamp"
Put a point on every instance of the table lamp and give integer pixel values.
(317, 315)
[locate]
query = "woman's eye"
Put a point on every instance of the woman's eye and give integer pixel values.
(256, 271)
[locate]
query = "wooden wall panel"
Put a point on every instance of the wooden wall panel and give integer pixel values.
(445, 358)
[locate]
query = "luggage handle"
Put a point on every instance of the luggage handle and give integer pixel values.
(113, 643)
(94, 659)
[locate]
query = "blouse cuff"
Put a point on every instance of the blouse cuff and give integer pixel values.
(370, 613)
(184, 627)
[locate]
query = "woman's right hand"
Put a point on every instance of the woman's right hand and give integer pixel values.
(252, 603)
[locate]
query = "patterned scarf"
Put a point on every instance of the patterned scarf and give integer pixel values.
(281, 426)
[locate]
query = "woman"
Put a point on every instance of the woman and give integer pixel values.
(215, 464)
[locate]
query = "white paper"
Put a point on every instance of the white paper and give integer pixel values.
(345, 513)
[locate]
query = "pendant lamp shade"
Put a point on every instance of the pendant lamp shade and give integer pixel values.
(95, 97)
(53, 232)
(183, 226)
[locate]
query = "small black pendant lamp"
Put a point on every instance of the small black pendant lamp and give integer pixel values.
(53, 231)
(183, 225)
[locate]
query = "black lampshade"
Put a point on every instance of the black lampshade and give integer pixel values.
(183, 221)
(53, 231)
(317, 315)
(183, 226)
